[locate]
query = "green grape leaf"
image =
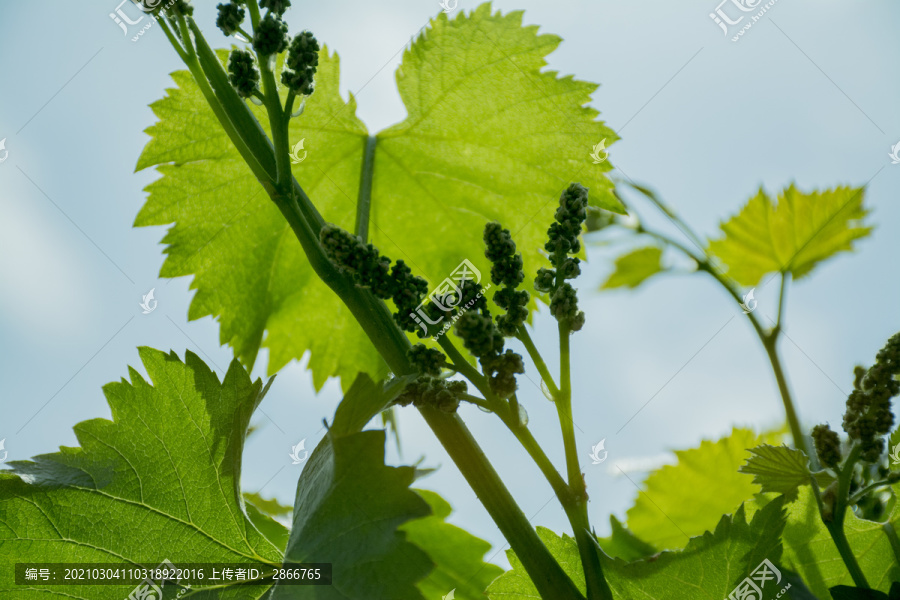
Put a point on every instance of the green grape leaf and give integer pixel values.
(346, 482)
(159, 481)
(264, 513)
(490, 135)
(274, 531)
(364, 400)
(623, 544)
(268, 506)
(778, 469)
(635, 268)
(684, 500)
(810, 551)
(347, 512)
(709, 567)
(457, 554)
(792, 235)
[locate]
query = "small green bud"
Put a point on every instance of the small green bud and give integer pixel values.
(428, 361)
(276, 6)
(564, 306)
(545, 280)
(271, 36)
(301, 63)
(502, 370)
(230, 17)
(570, 268)
(434, 392)
(242, 73)
(181, 7)
(479, 334)
(828, 445)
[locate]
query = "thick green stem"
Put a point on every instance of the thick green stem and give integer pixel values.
(835, 525)
(253, 5)
(278, 125)
(843, 546)
(546, 574)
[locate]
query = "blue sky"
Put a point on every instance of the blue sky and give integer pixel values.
(806, 96)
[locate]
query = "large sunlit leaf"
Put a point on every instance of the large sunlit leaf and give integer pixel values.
(791, 235)
(684, 500)
(709, 567)
(159, 481)
(489, 135)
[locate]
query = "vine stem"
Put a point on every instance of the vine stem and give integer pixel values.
(855, 498)
(770, 344)
(564, 410)
(364, 201)
(576, 509)
(371, 313)
(835, 525)
(891, 534)
(523, 336)
(574, 504)
(769, 339)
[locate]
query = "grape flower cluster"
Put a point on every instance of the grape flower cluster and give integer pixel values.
(562, 242)
(868, 416)
(270, 38)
